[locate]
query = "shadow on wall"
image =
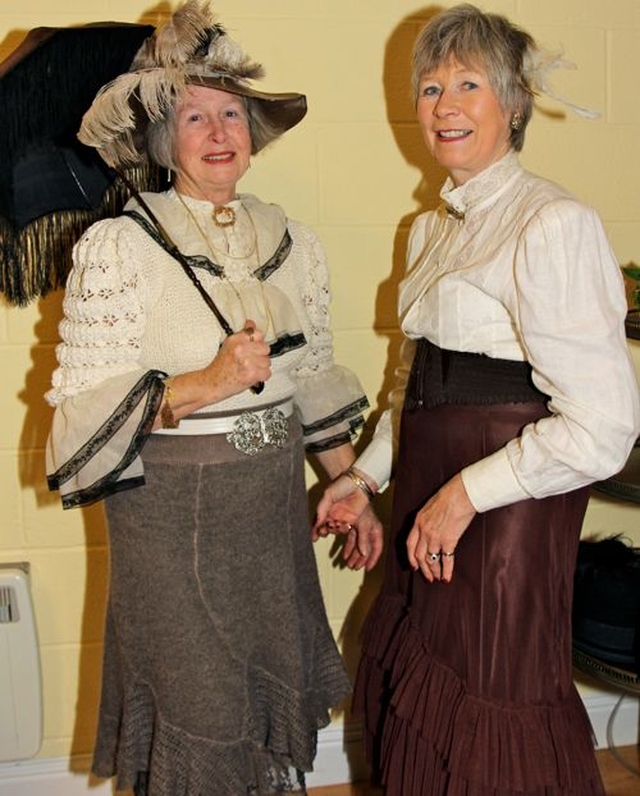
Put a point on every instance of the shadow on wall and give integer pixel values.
(400, 110)
(396, 78)
(32, 476)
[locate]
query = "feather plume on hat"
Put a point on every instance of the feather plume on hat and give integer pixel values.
(190, 48)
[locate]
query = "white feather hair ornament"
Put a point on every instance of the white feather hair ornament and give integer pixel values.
(538, 66)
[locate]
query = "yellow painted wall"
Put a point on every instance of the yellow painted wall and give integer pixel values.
(355, 169)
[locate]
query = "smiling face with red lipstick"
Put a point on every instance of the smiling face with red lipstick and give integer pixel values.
(463, 122)
(212, 144)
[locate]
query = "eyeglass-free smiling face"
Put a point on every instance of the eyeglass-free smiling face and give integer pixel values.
(462, 121)
(213, 144)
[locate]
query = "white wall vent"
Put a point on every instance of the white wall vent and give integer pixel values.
(20, 680)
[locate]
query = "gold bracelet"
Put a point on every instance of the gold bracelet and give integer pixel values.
(166, 413)
(359, 481)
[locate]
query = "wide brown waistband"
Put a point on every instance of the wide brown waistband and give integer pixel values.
(441, 376)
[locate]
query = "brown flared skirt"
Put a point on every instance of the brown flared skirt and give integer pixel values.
(466, 688)
(219, 663)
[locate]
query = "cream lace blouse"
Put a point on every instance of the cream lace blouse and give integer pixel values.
(132, 316)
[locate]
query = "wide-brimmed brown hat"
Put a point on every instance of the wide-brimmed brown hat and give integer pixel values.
(191, 48)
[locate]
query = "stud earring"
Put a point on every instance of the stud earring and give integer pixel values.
(516, 121)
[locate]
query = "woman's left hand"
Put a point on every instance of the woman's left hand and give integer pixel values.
(364, 542)
(438, 526)
(345, 509)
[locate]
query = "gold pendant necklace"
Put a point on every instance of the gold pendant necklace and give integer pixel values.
(224, 216)
(212, 250)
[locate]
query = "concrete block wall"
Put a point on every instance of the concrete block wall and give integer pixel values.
(356, 170)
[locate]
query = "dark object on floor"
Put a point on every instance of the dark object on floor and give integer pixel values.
(606, 605)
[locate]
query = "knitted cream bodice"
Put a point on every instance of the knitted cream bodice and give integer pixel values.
(129, 306)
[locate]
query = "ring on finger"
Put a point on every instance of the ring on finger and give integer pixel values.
(449, 555)
(433, 556)
(249, 330)
(351, 527)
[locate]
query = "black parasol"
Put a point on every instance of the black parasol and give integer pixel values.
(52, 186)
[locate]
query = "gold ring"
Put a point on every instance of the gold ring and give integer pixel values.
(449, 555)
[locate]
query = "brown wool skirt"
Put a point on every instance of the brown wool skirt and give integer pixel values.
(219, 664)
(466, 688)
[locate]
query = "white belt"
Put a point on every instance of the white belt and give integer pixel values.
(248, 431)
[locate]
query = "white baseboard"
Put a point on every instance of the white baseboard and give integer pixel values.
(339, 758)
(614, 722)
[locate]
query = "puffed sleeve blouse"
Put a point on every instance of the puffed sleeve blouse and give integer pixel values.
(512, 266)
(133, 317)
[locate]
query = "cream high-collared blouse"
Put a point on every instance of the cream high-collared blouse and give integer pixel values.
(524, 273)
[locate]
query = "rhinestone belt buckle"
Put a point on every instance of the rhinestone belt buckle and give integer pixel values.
(253, 432)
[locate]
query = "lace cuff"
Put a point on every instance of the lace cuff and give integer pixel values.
(96, 438)
(331, 404)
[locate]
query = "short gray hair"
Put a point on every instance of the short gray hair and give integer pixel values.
(475, 38)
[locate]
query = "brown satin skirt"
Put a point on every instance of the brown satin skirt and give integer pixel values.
(466, 688)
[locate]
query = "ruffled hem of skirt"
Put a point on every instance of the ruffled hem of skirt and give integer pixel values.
(280, 743)
(433, 737)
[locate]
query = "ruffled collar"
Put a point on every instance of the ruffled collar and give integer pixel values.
(240, 249)
(253, 217)
(481, 190)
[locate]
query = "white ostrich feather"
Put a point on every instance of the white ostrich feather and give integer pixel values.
(538, 67)
(189, 43)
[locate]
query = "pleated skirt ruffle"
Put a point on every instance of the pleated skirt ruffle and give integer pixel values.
(466, 688)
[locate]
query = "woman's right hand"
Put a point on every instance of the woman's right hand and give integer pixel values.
(242, 361)
(344, 509)
(438, 526)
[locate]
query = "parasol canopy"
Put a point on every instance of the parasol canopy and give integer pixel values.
(52, 187)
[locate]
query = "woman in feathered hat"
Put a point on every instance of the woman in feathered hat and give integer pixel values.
(195, 365)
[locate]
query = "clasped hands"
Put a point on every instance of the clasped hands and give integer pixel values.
(437, 528)
(345, 509)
